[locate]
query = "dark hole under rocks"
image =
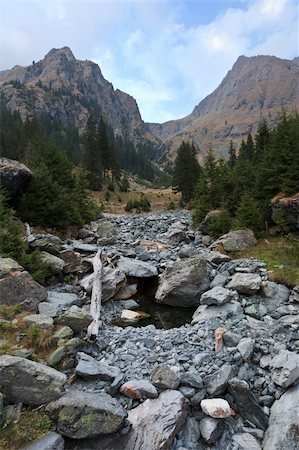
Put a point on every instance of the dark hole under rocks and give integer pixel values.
(162, 316)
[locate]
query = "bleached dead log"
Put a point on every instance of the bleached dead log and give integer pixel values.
(96, 296)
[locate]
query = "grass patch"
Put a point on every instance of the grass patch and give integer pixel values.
(18, 334)
(30, 426)
(281, 254)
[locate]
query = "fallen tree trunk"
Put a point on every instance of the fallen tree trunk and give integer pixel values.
(96, 296)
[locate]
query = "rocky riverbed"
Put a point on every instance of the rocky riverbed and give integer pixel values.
(227, 379)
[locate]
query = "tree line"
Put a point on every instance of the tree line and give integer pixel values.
(243, 186)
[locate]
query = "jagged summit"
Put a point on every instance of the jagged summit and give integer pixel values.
(70, 90)
(60, 52)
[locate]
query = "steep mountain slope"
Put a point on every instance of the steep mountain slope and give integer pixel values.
(69, 89)
(256, 87)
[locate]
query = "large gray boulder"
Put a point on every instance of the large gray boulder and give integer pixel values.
(218, 295)
(54, 263)
(204, 312)
(16, 285)
(137, 268)
(235, 241)
(245, 283)
(13, 176)
(283, 430)
(183, 284)
(76, 318)
(155, 423)
(82, 415)
(29, 382)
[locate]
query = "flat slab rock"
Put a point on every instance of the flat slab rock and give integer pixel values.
(89, 368)
(148, 433)
(29, 382)
(137, 268)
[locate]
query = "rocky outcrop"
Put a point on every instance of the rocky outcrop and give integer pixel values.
(286, 209)
(85, 414)
(29, 382)
(13, 176)
(17, 285)
(183, 284)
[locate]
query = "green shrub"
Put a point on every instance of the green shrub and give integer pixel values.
(221, 224)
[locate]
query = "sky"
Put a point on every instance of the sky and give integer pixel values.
(167, 54)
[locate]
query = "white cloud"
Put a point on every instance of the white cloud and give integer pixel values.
(145, 48)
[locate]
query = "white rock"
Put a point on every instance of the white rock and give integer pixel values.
(216, 407)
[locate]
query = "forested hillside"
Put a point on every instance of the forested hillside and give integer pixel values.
(243, 186)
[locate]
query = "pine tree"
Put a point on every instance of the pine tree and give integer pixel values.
(92, 157)
(186, 171)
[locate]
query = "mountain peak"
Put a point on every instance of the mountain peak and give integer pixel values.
(58, 52)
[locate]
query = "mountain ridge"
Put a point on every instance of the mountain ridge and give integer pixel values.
(255, 88)
(69, 89)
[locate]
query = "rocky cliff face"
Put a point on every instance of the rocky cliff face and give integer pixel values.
(69, 89)
(255, 88)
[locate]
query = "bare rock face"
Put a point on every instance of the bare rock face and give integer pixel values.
(29, 382)
(288, 208)
(283, 430)
(17, 285)
(183, 284)
(13, 176)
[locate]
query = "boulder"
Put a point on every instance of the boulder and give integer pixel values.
(216, 383)
(72, 261)
(76, 318)
(139, 389)
(55, 264)
(210, 429)
(40, 320)
(294, 297)
(17, 285)
(283, 430)
(218, 408)
(112, 281)
(133, 316)
(285, 368)
(46, 242)
(206, 226)
(235, 241)
(246, 441)
(127, 292)
(136, 268)
(13, 176)
(63, 300)
(247, 404)
(286, 208)
(164, 377)
(246, 347)
(29, 382)
(245, 283)
(204, 312)
(106, 232)
(218, 295)
(84, 248)
(51, 441)
(89, 368)
(184, 283)
(81, 415)
(155, 423)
